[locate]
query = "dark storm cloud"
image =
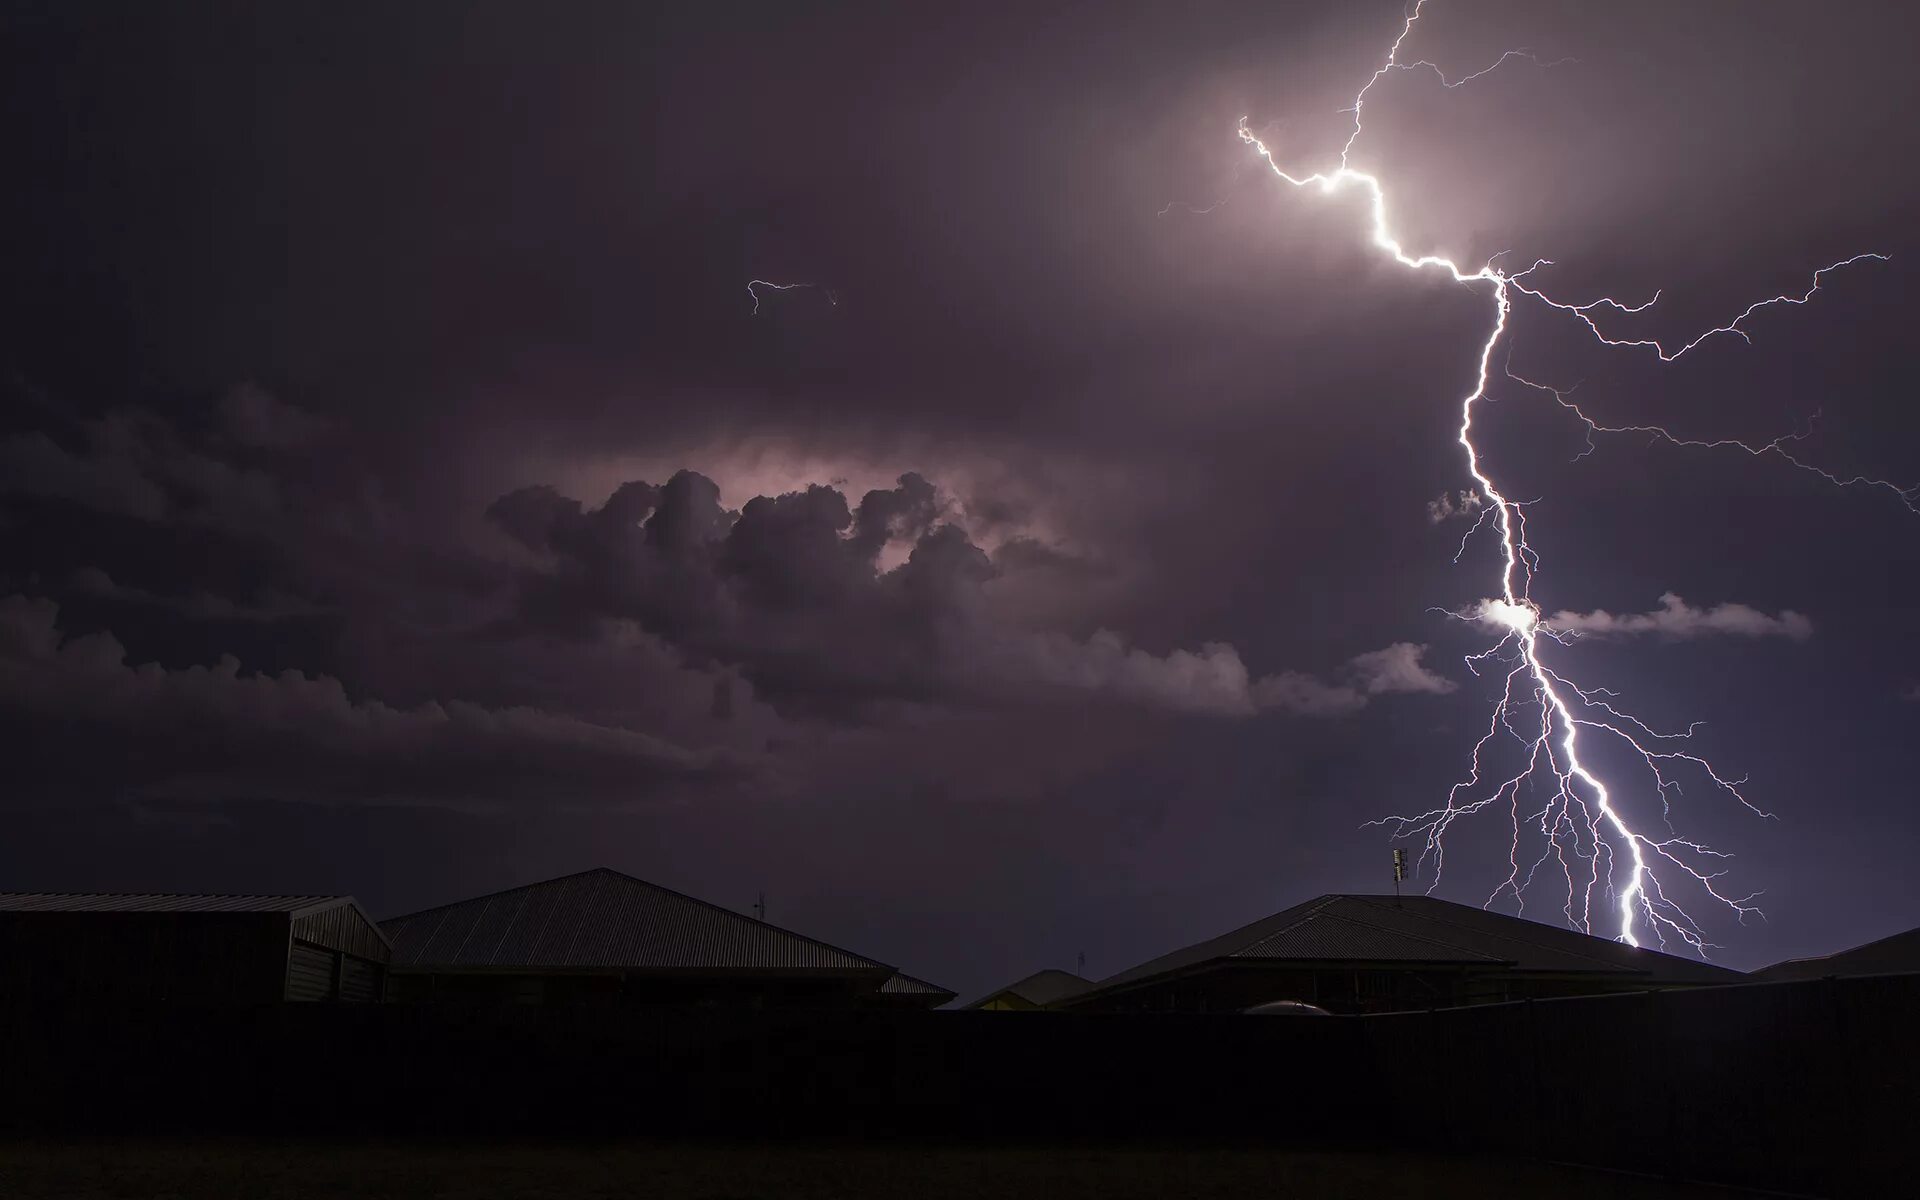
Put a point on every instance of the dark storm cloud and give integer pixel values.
(652, 645)
(791, 588)
(198, 605)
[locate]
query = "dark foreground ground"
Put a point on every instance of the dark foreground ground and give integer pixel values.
(266, 1170)
(1805, 1088)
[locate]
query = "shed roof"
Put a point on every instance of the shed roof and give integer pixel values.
(603, 918)
(1895, 955)
(1355, 928)
(160, 902)
(1040, 988)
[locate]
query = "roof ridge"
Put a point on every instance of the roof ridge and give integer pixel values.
(1406, 933)
(647, 883)
(521, 887)
(1514, 937)
(1223, 945)
(764, 924)
(1311, 910)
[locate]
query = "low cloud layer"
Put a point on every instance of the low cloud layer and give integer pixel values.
(1677, 620)
(1215, 680)
(292, 731)
(199, 605)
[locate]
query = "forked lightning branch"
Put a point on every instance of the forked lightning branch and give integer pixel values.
(1611, 861)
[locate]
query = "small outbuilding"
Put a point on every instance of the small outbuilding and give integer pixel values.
(59, 948)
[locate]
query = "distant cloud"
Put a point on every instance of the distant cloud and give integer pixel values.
(133, 463)
(1215, 681)
(1676, 619)
(252, 416)
(1387, 671)
(295, 732)
(1307, 695)
(96, 584)
(1449, 505)
(1210, 680)
(1397, 668)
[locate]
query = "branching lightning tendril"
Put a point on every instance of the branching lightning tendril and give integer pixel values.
(1591, 842)
(754, 286)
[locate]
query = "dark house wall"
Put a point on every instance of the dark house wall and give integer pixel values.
(1342, 988)
(136, 957)
(336, 954)
(744, 990)
(1349, 987)
(188, 957)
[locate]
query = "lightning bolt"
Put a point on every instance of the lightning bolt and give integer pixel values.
(754, 286)
(1605, 858)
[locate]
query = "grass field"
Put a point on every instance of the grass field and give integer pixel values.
(255, 1170)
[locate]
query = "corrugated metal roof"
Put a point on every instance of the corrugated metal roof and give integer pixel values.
(602, 918)
(1041, 988)
(129, 902)
(1328, 934)
(1534, 945)
(900, 984)
(1423, 929)
(1895, 955)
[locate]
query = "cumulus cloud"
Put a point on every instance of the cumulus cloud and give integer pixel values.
(1676, 619)
(1448, 505)
(793, 591)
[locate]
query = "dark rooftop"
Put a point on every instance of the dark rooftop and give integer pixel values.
(131, 902)
(1041, 988)
(1423, 929)
(603, 918)
(906, 985)
(1895, 955)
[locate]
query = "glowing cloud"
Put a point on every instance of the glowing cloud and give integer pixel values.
(1676, 619)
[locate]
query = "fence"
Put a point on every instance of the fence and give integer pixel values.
(1806, 1085)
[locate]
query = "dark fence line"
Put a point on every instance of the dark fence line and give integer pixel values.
(1803, 1086)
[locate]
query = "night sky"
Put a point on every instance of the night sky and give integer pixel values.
(400, 495)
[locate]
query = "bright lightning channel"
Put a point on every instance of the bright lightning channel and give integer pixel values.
(1596, 849)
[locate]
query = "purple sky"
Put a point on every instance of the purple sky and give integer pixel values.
(402, 498)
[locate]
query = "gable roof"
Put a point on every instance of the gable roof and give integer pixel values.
(603, 918)
(903, 984)
(1040, 988)
(164, 902)
(1422, 929)
(1895, 955)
